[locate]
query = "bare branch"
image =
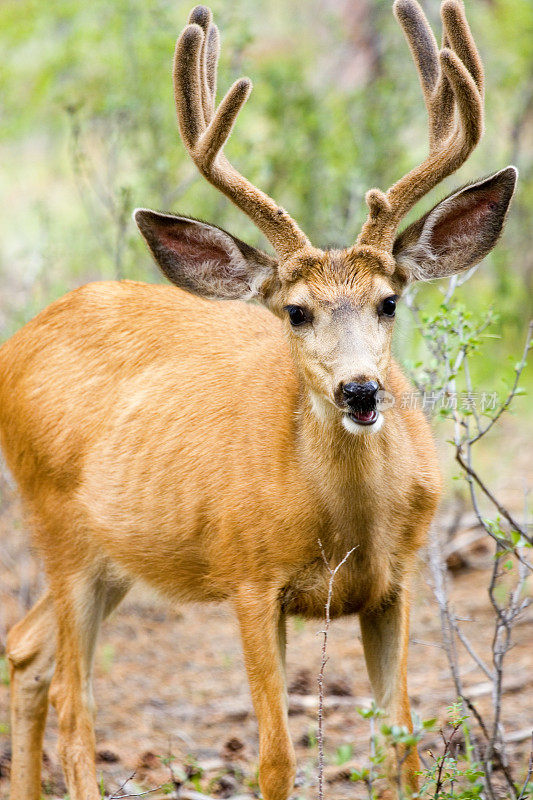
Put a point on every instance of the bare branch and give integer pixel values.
(512, 393)
(529, 773)
(459, 456)
(320, 736)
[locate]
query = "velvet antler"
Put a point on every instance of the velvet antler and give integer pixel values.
(452, 84)
(205, 129)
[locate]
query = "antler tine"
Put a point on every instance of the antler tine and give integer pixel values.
(452, 84)
(205, 130)
(201, 16)
(212, 51)
(435, 87)
(458, 37)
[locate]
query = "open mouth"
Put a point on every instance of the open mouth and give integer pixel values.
(364, 417)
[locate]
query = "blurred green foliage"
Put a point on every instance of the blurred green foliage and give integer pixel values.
(88, 132)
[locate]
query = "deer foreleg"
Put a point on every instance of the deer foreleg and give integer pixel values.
(262, 630)
(385, 639)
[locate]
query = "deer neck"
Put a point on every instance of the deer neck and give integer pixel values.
(346, 470)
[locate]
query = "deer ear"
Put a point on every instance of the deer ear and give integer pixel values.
(458, 232)
(205, 260)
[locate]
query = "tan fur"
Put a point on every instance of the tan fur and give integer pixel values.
(133, 470)
(205, 447)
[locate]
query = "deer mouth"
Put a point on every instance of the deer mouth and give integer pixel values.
(367, 417)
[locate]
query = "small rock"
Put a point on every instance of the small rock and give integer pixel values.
(301, 778)
(107, 757)
(5, 761)
(468, 550)
(234, 745)
(302, 683)
(148, 760)
(233, 749)
(226, 786)
(308, 739)
(338, 687)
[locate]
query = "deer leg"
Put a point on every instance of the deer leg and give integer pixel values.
(81, 608)
(385, 640)
(262, 626)
(30, 653)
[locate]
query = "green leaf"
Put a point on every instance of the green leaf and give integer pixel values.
(359, 774)
(343, 754)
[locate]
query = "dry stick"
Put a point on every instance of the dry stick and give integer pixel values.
(470, 650)
(191, 794)
(121, 787)
(487, 760)
(518, 374)
(501, 509)
(117, 796)
(446, 615)
(139, 794)
(505, 616)
(505, 619)
(320, 680)
(447, 744)
(448, 621)
(437, 566)
(529, 773)
(470, 479)
(438, 347)
(469, 441)
(500, 646)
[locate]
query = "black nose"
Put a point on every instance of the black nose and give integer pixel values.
(360, 395)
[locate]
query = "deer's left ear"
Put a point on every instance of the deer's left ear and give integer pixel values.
(206, 260)
(458, 232)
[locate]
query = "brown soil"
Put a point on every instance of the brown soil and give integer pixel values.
(172, 680)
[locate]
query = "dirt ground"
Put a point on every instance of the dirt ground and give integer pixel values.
(172, 681)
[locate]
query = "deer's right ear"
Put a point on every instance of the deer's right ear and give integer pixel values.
(206, 260)
(459, 231)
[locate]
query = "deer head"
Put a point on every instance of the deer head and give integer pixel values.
(338, 305)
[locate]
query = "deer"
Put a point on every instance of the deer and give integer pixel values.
(215, 437)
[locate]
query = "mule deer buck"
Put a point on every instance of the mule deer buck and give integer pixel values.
(205, 448)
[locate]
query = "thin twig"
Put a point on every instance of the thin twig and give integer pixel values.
(138, 794)
(121, 787)
(117, 796)
(447, 745)
(512, 392)
(468, 647)
(486, 491)
(325, 632)
(529, 773)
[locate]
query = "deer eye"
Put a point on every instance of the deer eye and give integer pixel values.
(388, 306)
(297, 315)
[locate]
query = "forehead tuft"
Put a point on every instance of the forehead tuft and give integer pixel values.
(334, 284)
(342, 272)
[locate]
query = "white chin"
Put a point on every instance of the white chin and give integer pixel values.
(354, 427)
